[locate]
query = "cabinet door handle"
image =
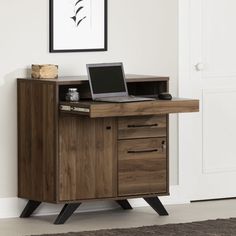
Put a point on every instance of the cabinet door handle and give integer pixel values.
(142, 126)
(143, 151)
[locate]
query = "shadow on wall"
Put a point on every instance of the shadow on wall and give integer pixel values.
(12, 76)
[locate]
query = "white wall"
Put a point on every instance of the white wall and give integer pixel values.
(142, 34)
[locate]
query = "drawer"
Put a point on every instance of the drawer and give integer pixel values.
(142, 166)
(142, 127)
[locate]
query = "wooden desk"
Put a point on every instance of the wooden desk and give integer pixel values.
(75, 152)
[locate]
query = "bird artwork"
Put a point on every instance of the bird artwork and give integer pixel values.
(78, 17)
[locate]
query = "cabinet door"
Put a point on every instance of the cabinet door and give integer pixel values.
(88, 158)
(142, 166)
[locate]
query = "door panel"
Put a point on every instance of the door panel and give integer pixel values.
(219, 37)
(88, 157)
(207, 139)
(219, 131)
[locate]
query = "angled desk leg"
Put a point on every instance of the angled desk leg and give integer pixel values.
(156, 204)
(29, 208)
(66, 213)
(124, 204)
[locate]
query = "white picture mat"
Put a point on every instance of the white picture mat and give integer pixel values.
(90, 34)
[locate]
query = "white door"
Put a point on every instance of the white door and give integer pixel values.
(208, 72)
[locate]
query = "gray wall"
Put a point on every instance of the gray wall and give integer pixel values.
(142, 34)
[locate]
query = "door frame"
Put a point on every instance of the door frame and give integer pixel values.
(184, 66)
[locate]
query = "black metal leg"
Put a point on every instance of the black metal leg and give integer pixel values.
(156, 204)
(29, 208)
(124, 204)
(66, 212)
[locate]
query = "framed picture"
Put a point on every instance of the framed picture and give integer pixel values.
(78, 25)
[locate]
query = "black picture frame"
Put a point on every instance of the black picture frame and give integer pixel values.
(52, 48)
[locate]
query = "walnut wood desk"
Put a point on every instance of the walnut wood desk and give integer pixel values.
(75, 152)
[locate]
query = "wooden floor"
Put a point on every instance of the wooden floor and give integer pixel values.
(119, 219)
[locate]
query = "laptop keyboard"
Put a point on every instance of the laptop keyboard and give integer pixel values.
(124, 99)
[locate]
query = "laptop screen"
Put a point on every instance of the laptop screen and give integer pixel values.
(106, 80)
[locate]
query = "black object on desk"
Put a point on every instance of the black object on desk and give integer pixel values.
(164, 96)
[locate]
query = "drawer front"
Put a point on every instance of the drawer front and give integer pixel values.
(142, 166)
(142, 127)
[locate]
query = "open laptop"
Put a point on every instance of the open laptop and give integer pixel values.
(107, 83)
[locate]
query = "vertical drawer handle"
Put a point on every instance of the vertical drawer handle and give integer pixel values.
(140, 126)
(143, 151)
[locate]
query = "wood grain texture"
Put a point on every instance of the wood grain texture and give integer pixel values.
(144, 108)
(24, 138)
(167, 155)
(84, 79)
(142, 166)
(37, 126)
(141, 127)
(46, 71)
(88, 158)
(158, 107)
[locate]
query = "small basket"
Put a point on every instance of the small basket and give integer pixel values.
(47, 71)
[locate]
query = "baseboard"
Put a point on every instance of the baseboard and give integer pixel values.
(12, 207)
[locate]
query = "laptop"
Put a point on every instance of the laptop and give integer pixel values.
(107, 83)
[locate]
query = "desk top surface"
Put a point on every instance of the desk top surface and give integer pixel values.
(156, 107)
(84, 78)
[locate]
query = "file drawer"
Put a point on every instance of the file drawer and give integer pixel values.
(142, 166)
(142, 127)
